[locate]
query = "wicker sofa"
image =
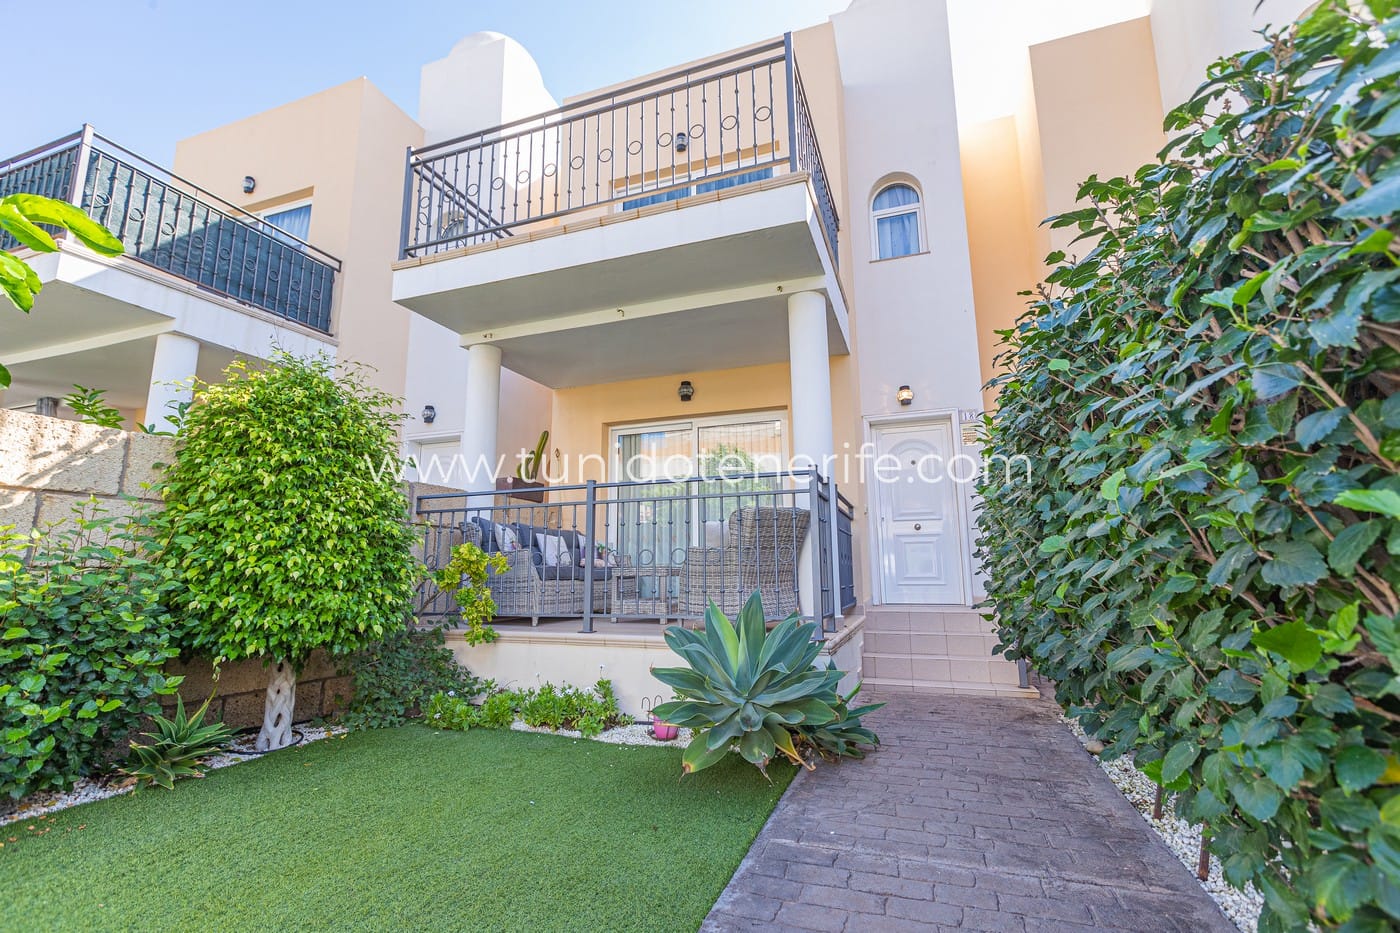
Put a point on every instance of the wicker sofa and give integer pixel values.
(529, 588)
(760, 552)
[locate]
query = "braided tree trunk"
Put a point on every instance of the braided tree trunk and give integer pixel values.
(277, 709)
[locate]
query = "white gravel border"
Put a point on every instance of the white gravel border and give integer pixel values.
(1242, 907)
(638, 733)
(89, 790)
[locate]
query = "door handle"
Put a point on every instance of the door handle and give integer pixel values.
(918, 527)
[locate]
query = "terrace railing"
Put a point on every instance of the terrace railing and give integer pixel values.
(730, 121)
(644, 550)
(845, 551)
(177, 227)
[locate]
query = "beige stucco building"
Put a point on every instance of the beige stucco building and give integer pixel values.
(793, 253)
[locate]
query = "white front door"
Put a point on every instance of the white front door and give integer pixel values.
(921, 548)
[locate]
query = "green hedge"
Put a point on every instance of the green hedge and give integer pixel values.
(1203, 555)
(83, 644)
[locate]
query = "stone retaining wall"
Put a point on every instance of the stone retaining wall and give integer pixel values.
(242, 686)
(49, 465)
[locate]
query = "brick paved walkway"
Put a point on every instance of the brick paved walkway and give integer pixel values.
(976, 814)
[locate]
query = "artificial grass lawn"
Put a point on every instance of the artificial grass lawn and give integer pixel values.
(399, 829)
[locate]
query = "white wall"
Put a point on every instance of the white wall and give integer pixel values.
(1190, 34)
(915, 314)
(486, 80)
(437, 376)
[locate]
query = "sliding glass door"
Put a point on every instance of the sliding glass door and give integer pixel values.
(690, 477)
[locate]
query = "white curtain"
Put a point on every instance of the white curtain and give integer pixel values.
(296, 221)
(897, 232)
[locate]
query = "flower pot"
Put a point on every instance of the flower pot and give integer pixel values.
(528, 490)
(663, 731)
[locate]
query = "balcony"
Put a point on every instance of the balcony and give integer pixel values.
(657, 551)
(684, 208)
(171, 225)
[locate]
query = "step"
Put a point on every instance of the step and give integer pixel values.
(941, 669)
(931, 649)
(878, 685)
(927, 621)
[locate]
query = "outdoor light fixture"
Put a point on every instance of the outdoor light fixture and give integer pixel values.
(429, 414)
(686, 390)
(249, 183)
(905, 395)
(681, 142)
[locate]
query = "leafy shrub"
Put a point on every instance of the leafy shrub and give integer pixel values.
(590, 712)
(177, 747)
(84, 641)
(285, 535)
(449, 711)
(90, 405)
(1202, 556)
(758, 689)
(394, 678)
(497, 711)
(464, 577)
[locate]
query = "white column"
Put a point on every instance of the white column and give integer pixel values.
(809, 366)
(172, 378)
(809, 363)
(482, 414)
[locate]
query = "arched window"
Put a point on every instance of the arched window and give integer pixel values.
(896, 222)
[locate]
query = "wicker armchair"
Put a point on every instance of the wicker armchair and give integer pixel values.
(760, 552)
(528, 590)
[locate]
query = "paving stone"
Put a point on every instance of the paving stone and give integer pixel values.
(975, 814)
(884, 884)
(843, 898)
(811, 917)
(924, 911)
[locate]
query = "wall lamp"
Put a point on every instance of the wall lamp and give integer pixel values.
(905, 395)
(686, 390)
(249, 183)
(429, 414)
(681, 141)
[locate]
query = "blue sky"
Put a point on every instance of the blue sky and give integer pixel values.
(149, 72)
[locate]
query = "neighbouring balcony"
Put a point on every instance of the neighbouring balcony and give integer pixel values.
(660, 550)
(173, 225)
(732, 121)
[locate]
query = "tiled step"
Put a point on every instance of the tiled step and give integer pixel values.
(936, 651)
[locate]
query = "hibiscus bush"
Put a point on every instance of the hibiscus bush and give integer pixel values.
(1202, 554)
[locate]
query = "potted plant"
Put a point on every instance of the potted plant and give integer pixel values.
(661, 730)
(526, 483)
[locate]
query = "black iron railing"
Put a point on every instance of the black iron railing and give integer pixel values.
(730, 121)
(845, 551)
(651, 550)
(173, 225)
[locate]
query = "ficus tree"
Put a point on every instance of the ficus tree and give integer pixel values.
(284, 538)
(1203, 555)
(21, 216)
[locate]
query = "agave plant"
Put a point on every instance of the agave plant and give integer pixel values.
(845, 736)
(748, 686)
(177, 748)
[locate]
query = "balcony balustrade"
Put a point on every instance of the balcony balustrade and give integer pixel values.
(173, 225)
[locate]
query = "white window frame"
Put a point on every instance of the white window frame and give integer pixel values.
(282, 209)
(694, 425)
(917, 210)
